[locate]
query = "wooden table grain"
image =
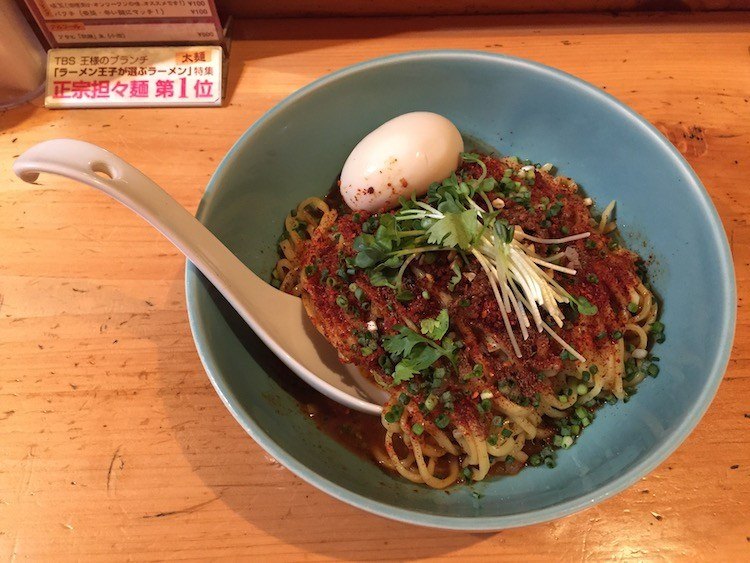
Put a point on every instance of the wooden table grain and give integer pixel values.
(113, 445)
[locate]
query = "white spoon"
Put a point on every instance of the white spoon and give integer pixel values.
(277, 318)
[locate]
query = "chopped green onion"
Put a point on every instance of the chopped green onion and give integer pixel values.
(394, 414)
(593, 369)
(554, 209)
(617, 335)
(492, 440)
(341, 301)
(652, 370)
(593, 278)
(417, 428)
(633, 307)
(581, 389)
(431, 402)
(442, 421)
(506, 432)
(476, 371)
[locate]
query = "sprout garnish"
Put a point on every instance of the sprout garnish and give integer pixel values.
(451, 220)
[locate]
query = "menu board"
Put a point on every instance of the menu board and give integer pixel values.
(69, 23)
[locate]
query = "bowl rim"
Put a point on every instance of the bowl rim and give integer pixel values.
(483, 523)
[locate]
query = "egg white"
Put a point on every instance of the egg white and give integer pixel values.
(400, 158)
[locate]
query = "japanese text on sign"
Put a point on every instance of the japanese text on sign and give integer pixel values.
(134, 77)
(85, 23)
(106, 9)
(74, 33)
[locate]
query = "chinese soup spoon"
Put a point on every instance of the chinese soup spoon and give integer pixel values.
(277, 318)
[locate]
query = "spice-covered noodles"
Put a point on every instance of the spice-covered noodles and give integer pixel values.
(299, 225)
(497, 312)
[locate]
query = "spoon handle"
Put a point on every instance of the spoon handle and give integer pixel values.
(99, 168)
(276, 317)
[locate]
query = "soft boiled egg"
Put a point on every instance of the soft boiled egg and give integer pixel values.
(400, 158)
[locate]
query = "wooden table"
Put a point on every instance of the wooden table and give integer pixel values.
(113, 443)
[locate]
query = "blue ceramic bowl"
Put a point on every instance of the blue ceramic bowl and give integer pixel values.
(521, 108)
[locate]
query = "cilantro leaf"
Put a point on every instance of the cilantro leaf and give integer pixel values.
(418, 353)
(403, 372)
(403, 342)
(437, 327)
(422, 357)
(455, 229)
